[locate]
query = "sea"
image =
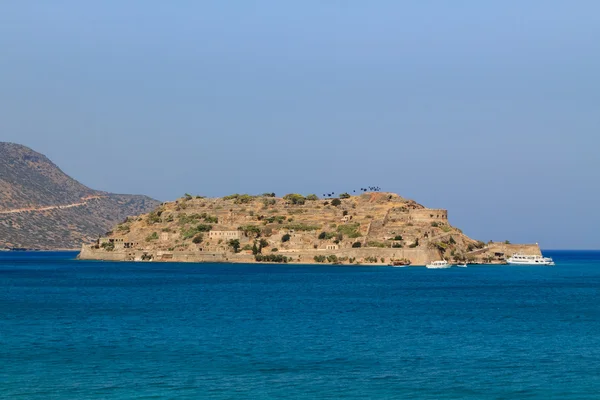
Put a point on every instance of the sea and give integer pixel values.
(102, 330)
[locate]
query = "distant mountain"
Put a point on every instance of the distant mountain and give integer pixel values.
(43, 208)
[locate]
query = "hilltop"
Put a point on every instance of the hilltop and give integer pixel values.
(41, 207)
(372, 227)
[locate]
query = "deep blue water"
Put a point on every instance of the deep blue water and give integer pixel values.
(99, 330)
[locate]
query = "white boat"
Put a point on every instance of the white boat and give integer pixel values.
(438, 264)
(526, 259)
(464, 265)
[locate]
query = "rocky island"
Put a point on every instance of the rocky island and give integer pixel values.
(370, 228)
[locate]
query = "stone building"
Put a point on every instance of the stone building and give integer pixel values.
(225, 235)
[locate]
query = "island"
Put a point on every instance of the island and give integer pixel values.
(367, 228)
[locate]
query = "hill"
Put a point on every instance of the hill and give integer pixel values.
(43, 208)
(369, 228)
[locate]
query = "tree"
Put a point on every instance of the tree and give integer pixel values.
(295, 198)
(344, 196)
(356, 244)
(250, 230)
(198, 238)
(285, 237)
(322, 235)
(234, 244)
(255, 249)
(336, 202)
(312, 197)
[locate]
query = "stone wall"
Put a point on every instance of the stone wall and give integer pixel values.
(428, 215)
(417, 256)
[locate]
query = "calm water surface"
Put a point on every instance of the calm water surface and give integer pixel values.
(99, 330)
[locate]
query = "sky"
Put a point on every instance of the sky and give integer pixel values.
(488, 109)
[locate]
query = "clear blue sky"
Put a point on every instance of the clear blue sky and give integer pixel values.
(489, 109)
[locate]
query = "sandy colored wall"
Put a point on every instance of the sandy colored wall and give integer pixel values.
(416, 256)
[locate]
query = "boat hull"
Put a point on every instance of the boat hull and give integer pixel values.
(547, 263)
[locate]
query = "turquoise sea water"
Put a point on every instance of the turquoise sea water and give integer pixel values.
(99, 330)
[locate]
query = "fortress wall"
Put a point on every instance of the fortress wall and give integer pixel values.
(419, 256)
(429, 215)
(510, 249)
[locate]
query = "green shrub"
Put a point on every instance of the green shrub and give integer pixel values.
(320, 259)
(203, 227)
(211, 220)
(234, 244)
(153, 236)
(415, 244)
(250, 230)
(274, 250)
(295, 198)
(344, 196)
(302, 227)
(376, 244)
(275, 218)
(397, 245)
(441, 246)
(357, 244)
(153, 218)
(285, 238)
(188, 218)
(312, 197)
(435, 224)
(326, 235)
(271, 258)
(187, 233)
(123, 227)
(336, 202)
(244, 199)
(350, 230)
(108, 246)
(332, 258)
(198, 238)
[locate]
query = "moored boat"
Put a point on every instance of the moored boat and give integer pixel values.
(438, 264)
(528, 259)
(399, 263)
